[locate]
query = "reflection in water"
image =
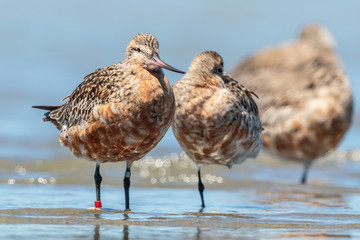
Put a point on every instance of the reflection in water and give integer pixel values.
(198, 229)
(287, 198)
(125, 232)
(126, 228)
(96, 232)
(97, 228)
(198, 234)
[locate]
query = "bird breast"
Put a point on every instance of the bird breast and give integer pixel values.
(212, 128)
(128, 126)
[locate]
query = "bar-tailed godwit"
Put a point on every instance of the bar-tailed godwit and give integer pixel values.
(305, 100)
(216, 120)
(118, 113)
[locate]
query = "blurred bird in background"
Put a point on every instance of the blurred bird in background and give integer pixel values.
(305, 101)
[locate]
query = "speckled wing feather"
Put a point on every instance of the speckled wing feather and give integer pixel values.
(243, 95)
(216, 125)
(96, 89)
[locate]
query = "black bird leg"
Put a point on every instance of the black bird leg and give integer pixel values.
(127, 185)
(98, 180)
(305, 173)
(201, 188)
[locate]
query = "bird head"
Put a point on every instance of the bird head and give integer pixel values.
(144, 48)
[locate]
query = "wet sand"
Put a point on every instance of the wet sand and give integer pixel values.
(60, 216)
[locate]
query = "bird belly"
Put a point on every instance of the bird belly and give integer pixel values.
(111, 136)
(224, 146)
(312, 132)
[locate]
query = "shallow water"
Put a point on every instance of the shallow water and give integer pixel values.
(258, 199)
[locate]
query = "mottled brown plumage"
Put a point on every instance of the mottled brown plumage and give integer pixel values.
(216, 120)
(305, 101)
(120, 112)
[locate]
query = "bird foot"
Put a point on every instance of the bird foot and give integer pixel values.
(95, 208)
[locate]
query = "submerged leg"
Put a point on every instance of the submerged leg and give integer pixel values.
(127, 185)
(98, 180)
(305, 173)
(201, 188)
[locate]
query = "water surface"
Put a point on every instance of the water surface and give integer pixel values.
(259, 199)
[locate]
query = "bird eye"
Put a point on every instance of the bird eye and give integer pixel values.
(220, 70)
(138, 49)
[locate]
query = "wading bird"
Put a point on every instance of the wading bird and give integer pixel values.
(216, 120)
(118, 113)
(305, 100)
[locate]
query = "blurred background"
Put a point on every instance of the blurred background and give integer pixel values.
(47, 47)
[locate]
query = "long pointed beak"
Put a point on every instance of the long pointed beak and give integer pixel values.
(158, 62)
